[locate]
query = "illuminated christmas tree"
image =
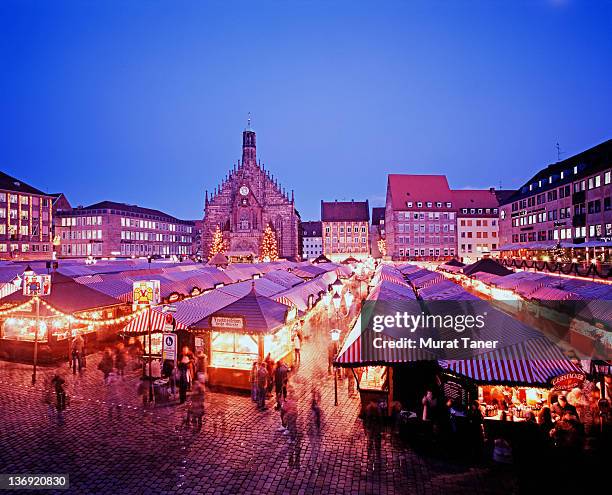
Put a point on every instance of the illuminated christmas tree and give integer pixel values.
(269, 249)
(559, 254)
(218, 244)
(382, 247)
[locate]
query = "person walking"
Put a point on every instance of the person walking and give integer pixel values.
(280, 383)
(270, 369)
(350, 379)
(202, 365)
(120, 359)
(197, 404)
(77, 348)
(262, 384)
(57, 382)
(297, 347)
(183, 368)
(106, 364)
(332, 351)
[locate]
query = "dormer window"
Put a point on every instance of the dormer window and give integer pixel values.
(409, 204)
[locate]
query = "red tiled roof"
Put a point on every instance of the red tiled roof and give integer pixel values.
(478, 198)
(345, 211)
(407, 187)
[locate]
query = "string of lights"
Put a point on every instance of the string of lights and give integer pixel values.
(86, 321)
(15, 309)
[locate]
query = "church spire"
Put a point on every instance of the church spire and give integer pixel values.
(249, 148)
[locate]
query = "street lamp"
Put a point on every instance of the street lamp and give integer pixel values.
(28, 272)
(348, 298)
(335, 336)
(337, 286)
(336, 300)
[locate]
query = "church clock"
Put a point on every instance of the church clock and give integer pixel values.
(244, 190)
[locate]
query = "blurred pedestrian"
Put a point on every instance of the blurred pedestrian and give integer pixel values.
(202, 366)
(262, 385)
(297, 347)
(184, 368)
(350, 378)
(475, 434)
(269, 362)
(113, 396)
(58, 382)
(281, 377)
(290, 414)
(168, 371)
(315, 410)
(106, 364)
(197, 404)
(77, 350)
(373, 429)
(332, 351)
(120, 359)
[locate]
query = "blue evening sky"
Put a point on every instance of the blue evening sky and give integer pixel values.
(144, 102)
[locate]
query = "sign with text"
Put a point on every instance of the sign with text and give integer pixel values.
(36, 285)
(568, 381)
(169, 346)
(227, 322)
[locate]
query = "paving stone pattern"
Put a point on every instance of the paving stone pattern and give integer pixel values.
(142, 450)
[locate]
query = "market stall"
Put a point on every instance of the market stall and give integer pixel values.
(243, 332)
(70, 308)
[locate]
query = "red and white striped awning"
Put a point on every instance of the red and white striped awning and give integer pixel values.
(532, 362)
(140, 325)
(350, 354)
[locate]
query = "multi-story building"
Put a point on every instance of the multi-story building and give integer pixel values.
(568, 202)
(477, 222)
(197, 249)
(345, 229)
(420, 217)
(312, 240)
(426, 219)
(26, 216)
(110, 229)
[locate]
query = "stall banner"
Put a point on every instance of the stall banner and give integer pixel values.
(36, 285)
(146, 292)
(169, 346)
(568, 381)
(228, 322)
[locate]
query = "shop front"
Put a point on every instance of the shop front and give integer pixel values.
(19, 330)
(244, 332)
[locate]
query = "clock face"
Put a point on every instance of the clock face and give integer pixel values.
(244, 190)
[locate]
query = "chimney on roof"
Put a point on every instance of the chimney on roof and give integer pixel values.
(491, 190)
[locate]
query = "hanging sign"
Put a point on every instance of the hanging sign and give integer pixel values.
(229, 322)
(146, 292)
(169, 346)
(36, 285)
(168, 323)
(568, 381)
